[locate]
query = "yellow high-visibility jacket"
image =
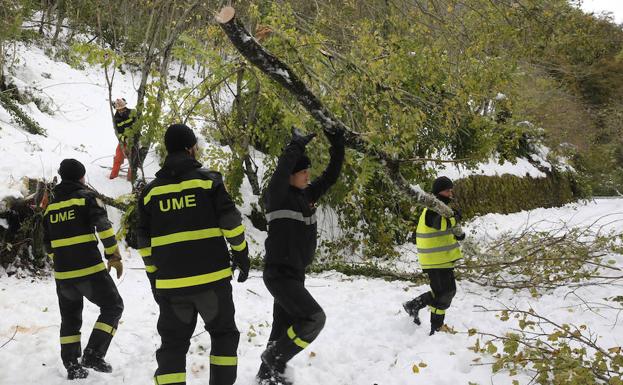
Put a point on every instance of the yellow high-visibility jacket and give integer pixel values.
(437, 249)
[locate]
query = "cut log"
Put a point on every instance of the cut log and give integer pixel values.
(277, 70)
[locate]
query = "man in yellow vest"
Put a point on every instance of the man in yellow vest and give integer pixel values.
(438, 249)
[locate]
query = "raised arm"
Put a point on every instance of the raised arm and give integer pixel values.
(319, 186)
(280, 181)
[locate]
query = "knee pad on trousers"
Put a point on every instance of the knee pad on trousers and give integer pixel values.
(445, 299)
(114, 310)
(311, 327)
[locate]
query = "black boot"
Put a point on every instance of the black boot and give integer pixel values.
(92, 359)
(413, 308)
(273, 368)
(75, 371)
(436, 322)
(263, 375)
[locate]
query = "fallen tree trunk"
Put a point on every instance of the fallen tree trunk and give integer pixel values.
(277, 70)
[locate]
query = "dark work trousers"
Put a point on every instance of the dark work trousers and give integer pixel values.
(297, 317)
(100, 289)
(176, 325)
(443, 289)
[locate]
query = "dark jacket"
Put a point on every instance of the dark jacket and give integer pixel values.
(69, 225)
(184, 215)
(433, 219)
(291, 213)
(123, 120)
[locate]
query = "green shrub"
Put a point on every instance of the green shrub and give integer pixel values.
(479, 194)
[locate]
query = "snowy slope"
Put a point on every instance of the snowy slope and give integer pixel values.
(367, 340)
(80, 128)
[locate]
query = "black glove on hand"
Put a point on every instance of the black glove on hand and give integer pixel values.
(301, 139)
(458, 215)
(336, 138)
(241, 262)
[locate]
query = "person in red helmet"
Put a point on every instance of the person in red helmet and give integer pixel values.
(124, 119)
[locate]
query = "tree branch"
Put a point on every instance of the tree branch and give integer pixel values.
(283, 75)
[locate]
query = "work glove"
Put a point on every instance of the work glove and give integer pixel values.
(115, 261)
(458, 232)
(240, 261)
(336, 138)
(301, 139)
(458, 215)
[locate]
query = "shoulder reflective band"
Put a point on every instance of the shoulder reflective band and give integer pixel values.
(79, 273)
(184, 236)
(223, 360)
(172, 378)
(70, 339)
(64, 204)
(434, 310)
(177, 187)
(299, 342)
(195, 280)
(106, 233)
(150, 268)
(74, 240)
(145, 252)
(438, 249)
(105, 328)
(290, 214)
(239, 247)
(233, 232)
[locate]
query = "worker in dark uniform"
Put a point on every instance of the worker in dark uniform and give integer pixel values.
(70, 222)
(185, 216)
(291, 214)
(438, 249)
(124, 119)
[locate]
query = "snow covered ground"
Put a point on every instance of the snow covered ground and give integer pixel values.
(367, 340)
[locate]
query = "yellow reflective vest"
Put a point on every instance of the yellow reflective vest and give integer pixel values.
(437, 249)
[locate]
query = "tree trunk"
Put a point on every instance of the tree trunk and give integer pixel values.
(60, 14)
(42, 22)
(282, 74)
(2, 81)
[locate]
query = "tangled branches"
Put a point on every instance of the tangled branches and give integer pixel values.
(547, 259)
(555, 353)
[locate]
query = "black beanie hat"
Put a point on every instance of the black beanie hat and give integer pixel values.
(442, 183)
(179, 137)
(303, 163)
(71, 169)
